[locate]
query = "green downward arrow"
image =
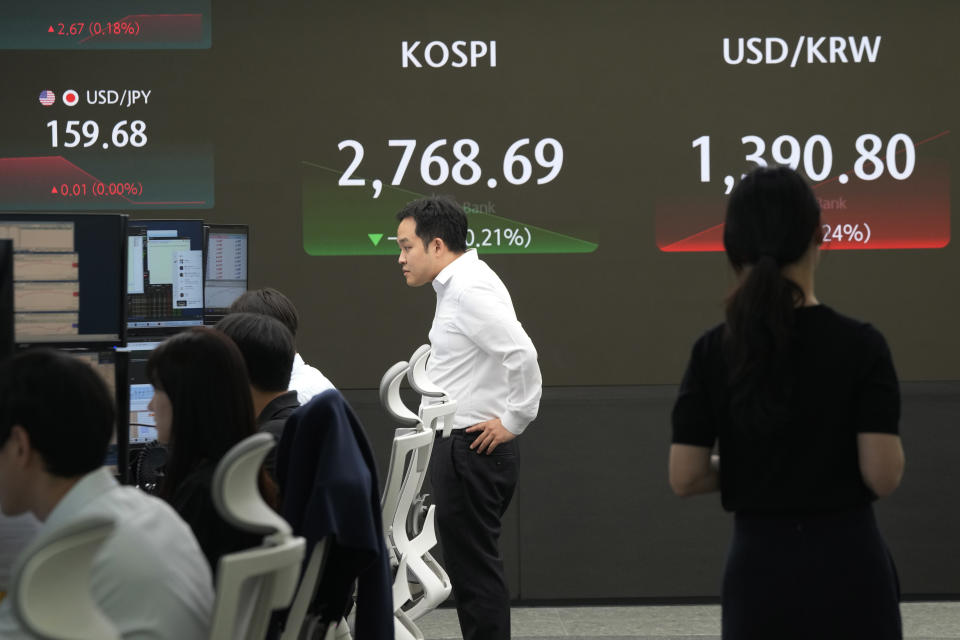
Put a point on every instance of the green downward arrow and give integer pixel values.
(375, 238)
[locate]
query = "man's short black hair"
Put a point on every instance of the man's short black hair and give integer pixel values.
(62, 404)
(267, 348)
(269, 302)
(438, 217)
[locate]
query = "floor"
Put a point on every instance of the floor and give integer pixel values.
(921, 621)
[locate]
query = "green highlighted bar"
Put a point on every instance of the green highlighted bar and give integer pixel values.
(337, 220)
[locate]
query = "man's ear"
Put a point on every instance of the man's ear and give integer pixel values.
(19, 440)
(437, 245)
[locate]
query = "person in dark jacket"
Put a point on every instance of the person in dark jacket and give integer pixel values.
(268, 351)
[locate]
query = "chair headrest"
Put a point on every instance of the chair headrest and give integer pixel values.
(390, 394)
(236, 491)
(51, 578)
(417, 374)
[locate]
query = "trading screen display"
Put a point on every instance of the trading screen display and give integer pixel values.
(593, 146)
(87, 125)
(105, 24)
(142, 422)
(68, 279)
(164, 274)
(599, 142)
(225, 278)
(650, 117)
(110, 368)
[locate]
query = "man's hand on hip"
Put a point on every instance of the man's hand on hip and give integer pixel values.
(492, 434)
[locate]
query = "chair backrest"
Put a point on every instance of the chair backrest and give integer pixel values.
(409, 459)
(390, 394)
(251, 584)
(254, 582)
(51, 584)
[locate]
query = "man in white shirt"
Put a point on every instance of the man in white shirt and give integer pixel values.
(307, 381)
(481, 357)
(149, 577)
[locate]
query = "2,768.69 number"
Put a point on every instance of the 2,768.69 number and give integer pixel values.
(435, 169)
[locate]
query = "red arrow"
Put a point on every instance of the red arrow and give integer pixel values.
(50, 30)
(53, 191)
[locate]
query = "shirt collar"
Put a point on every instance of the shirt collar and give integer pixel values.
(460, 262)
(90, 486)
(286, 400)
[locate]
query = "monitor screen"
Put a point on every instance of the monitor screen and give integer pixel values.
(164, 275)
(69, 282)
(111, 365)
(142, 429)
(226, 268)
(6, 298)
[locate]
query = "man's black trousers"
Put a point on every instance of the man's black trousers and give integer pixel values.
(472, 491)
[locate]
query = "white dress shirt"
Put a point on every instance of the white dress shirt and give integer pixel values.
(150, 577)
(480, 355)
(307, 381)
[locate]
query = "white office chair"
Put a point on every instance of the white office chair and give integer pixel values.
(51, 584)
(257, 581)
(409, 542)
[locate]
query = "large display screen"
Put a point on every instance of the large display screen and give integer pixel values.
(106, 109)
(613, 132)
(593, 145)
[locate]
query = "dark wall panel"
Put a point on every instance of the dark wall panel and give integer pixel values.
(594, 517)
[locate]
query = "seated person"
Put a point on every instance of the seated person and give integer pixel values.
(202, 408)
(307, 381)
(149, 577)
(267, 349)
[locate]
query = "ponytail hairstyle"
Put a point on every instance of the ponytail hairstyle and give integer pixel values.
(772, 217)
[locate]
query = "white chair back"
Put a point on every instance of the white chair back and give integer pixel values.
(252, 583)
(409, 462)
(51, 584)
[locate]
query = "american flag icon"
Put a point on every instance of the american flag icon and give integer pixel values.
(47, 98)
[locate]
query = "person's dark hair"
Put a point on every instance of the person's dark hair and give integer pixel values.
(772, 218)
(202, 372)
(63, 405)
(269, 302)
(438, 217)
(266, 346)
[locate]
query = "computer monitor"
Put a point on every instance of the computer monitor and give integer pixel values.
(112, 365)
(69, 284)
(164, 275)
(226, 268)
(140, 392)
(6, 298)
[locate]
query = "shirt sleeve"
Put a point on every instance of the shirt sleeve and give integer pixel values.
(490, 321)
(878, 395)
(692, 418)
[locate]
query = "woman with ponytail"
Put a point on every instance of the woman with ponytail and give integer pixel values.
(802, 404)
